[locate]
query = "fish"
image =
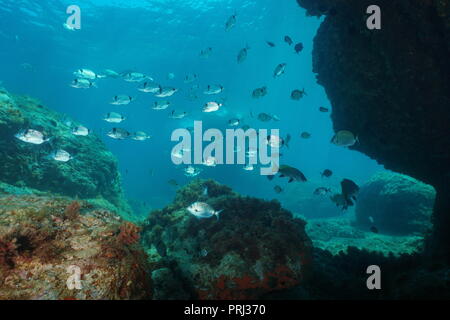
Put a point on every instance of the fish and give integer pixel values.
(234, 122)
(108, 73)
(374, 229)
(275, 141)
(259, 92)
(279, 70)
(265, 117)
(178, 115)
(323, 109)
(191, 171)
(31, 136)
(270, 177)
(205, 53)
(149, 87)
(249, 167)
(210, 162)
(298, 47)
(113, 117)
(326, 173)
(140, 136)
(288, 40)
(213, 89)
(278, 189)
(118, 134)
(231, 22)
(297, 94)
(60, 155)
(349, 190)
(305, 135)
(339, 200)
(344, 138)
(203, 210)
(135, 77)
(190, 78)
(81, 131)
(161, 105)
(85, 74)
(292, 173)
(82, 84)
(211, 107)
(180, 153)
(242, 55)
(166, 92)
(173, 182)
(121, 100)
(170, 76)
(270, 44)
(321, 191)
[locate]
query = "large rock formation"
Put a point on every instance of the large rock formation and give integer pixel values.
(44, 241)
(391, 88)
(254, 248)
(398, 204)
(92, 174)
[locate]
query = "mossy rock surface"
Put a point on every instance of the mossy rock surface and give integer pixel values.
(397, 203)
(92, 174)
(255, 247)
(46, 240)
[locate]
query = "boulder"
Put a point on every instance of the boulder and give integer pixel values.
(397, 203)
(253, 248)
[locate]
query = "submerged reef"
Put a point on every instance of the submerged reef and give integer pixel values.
(44, 240)
(91, 174)
(253, 248)
(390, 87)
(398, 204)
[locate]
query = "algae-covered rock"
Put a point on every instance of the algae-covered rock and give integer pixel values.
(45, 241)
(92, 174)
(397, 203)
(255, 247)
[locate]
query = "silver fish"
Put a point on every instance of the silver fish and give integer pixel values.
(113, 117)
(149, 87)
(82, 84)
(135, 77)
(121, 100)
(119, 134)
(80, 131)
(31, 136)
(161, 105)
(140, 136)
(85, 74)
(279, 70)
(211, 107)
(203, 210)
(60, 155)
(213, 89)
(166, 92)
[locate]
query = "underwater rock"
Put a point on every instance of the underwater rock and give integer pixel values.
(396, 96)
(397, 203)
(255, 247)
(45, 242)
(92, 174)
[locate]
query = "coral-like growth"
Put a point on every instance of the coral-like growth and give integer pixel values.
(129, 233)
(39, 246)
(253, 248)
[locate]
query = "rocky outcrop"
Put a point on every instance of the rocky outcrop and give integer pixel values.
(391, 88)
(47, 244)
(254, 248)
(92, 174)
(398, 204)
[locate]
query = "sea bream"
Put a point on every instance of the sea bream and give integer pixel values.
(60, 155)
(149, 87)
(165, 92)
(82, 84)
(231, 22)
(344, 138)
(292, 173)
(203, 210)
(211, 107)
(135, 77)
(85, 74)
(191, 171)
(31, 136)
(140, 136)
(242, 55)
(113, 117)
(121, 100)
(213, 89)
(80, 131)
(161, 105)
(190, 78)
(118, 134)
(279, 70)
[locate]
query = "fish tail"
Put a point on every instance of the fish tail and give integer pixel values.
(217, 213)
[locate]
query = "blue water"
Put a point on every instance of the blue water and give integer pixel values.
(159, 37)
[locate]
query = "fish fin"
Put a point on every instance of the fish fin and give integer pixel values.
(290, 180)
(282, 175)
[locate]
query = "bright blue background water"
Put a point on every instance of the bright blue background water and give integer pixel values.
(158, 37)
